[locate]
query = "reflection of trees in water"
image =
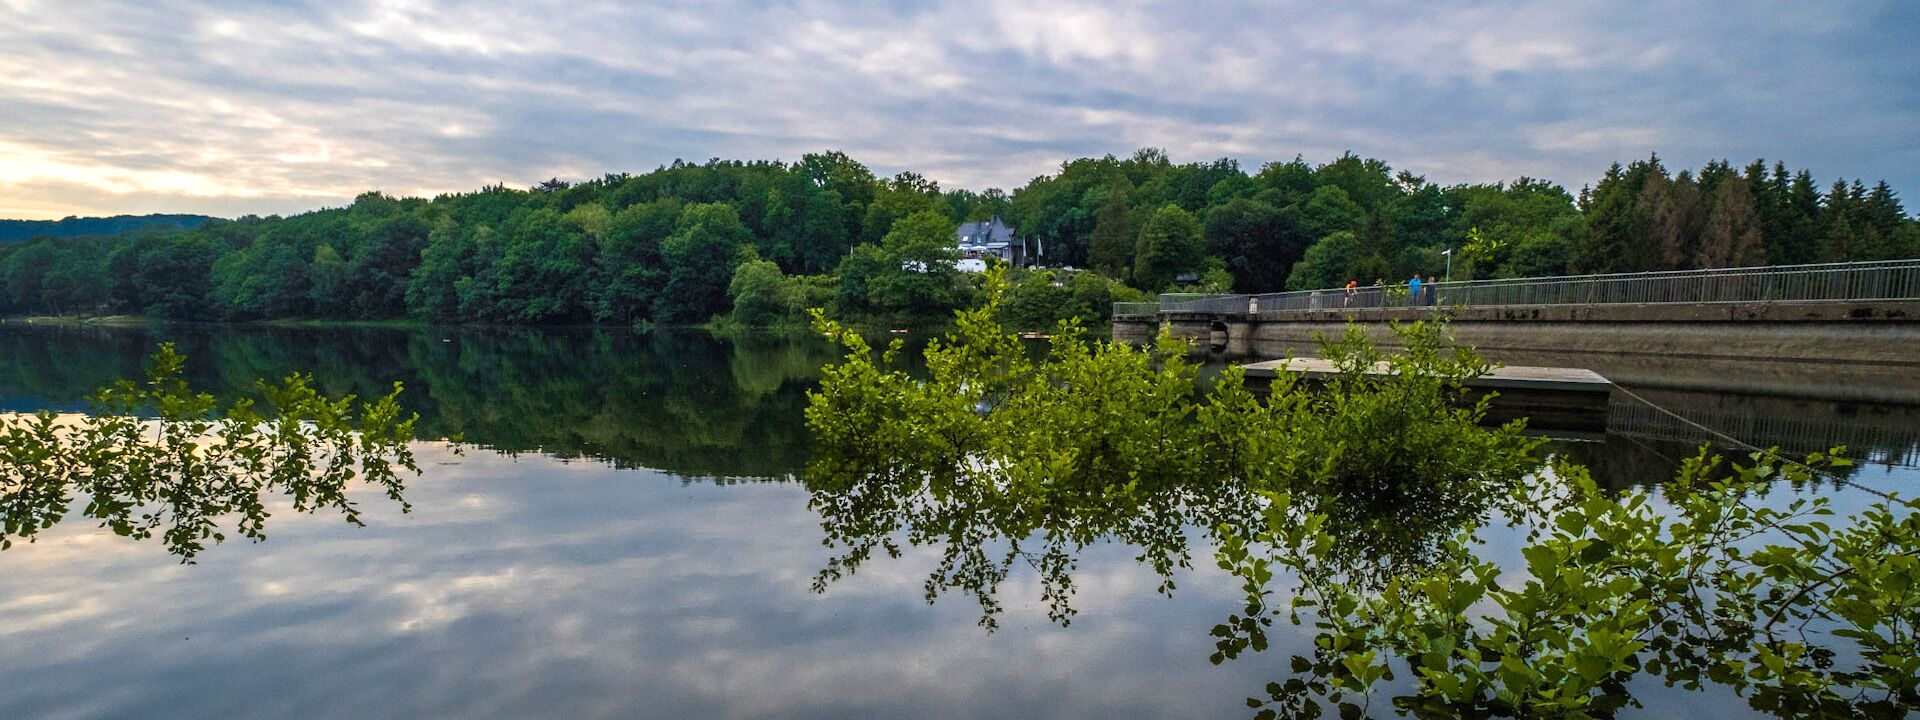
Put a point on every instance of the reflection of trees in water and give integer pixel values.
(1644, 445)
(1356, 506)
(1881, 432)
(155, 458)
(986, 526)
(685, 402)
(1003, 457)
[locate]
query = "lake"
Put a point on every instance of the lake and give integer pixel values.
(621, 531)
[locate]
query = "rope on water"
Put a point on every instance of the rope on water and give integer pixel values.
(1747, 445)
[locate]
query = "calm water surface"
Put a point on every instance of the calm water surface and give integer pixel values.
(626, 536)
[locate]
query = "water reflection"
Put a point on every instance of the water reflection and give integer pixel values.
(196, 471)
(535, 586)
(687, 402)
(532, 587)
(986, 528)
(711, 407)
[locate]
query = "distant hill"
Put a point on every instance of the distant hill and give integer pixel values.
(17, 230)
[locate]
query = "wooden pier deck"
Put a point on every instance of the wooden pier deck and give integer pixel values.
(1551, 398)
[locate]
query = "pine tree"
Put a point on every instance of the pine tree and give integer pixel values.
(1732, 237)
(1839, 244)
(1883, 210)
(1614, 228)
(1677, 216)
(1839, 236)
(1802, 242)
(1654, 214)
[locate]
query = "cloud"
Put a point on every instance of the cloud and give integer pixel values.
(581, 590)
(234, 108)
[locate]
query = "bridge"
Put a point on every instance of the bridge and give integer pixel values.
(1861, 312)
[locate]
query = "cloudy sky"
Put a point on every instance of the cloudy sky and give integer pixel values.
(229, 108)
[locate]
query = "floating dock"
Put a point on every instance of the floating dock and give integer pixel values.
(1550, 398)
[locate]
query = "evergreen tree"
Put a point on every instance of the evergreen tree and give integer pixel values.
(1676, 217)
(1732, 237)
(1619, 238)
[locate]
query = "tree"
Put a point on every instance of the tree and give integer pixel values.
(379, 266)
(1169, 245)
(171, 279)
(1369, 494)
(1111, 248)
(1329, 263)
(328, 291)
(631, 262)
(1620, 237)
(447, 260)
(1330, 210)
(1258, 242)
(905, 194)
(596, 250)
(1732, 235)
(700, 257)
(918, 277)
(1369, 183)
(1673, 214)
(762, 295)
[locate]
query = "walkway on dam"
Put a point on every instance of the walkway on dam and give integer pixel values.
(1863, 312)
(1880, 281)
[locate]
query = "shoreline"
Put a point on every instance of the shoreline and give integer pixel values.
(880, 325)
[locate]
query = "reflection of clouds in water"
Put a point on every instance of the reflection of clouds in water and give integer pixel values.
(522, 588)
(33, 613)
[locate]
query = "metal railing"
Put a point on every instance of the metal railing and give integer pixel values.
(1880, 280)
(1136, 308)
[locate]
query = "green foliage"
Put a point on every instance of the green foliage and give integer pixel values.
(1259, 242)
(1800, 615)
(1331, 262)
(1115, 229)
(699, 257)
(1213, 278)
(763, 297)
(193, 464)
(1036, 300)
(1169, 245)
(628, 249)
(1366, 491)
(994, 444)
(1040, 299)
(909, 275)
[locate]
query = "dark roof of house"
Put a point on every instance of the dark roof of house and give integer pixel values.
(991, 232)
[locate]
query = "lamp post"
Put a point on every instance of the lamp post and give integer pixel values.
(1449, 253)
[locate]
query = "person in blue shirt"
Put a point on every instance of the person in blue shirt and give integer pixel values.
(1413, 291)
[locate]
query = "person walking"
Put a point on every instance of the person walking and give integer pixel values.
(1433, 290)
(1413, 291)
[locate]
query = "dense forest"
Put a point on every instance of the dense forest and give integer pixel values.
(754, 243)
(17, 230)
